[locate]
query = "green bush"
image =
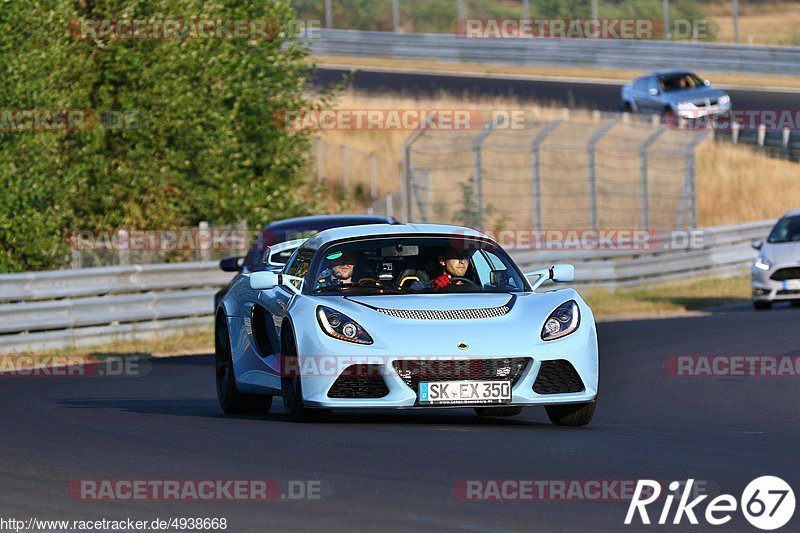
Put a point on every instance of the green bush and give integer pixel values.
(202, 142)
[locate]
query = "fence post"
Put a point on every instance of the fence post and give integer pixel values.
(328, 14)
(786, 135)
(689, 192)
(204, 240)
(320, 155)
(405, 164)
(123, 247)
(389, 205)
(591, 152)
(396, 15)
(536, 172)
(645, 214)
(345, 170)
(735, 132)
(477, 165)
(373, 176)
(762, 134)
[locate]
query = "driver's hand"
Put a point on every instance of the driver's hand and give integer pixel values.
(442, 281)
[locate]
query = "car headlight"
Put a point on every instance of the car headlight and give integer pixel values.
(762, 263)
(686, 105)
(724, 99)
(561, 322)
(340, 326)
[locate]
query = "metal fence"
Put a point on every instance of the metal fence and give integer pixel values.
(781, 143)
(592, 53)
(48, 310)
(605, 171)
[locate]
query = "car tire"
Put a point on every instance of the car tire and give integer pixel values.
(498, 411)
(230, 399)
(627, 107)
(761, 305)
(571, 414)
(795, 303)
(292, 386)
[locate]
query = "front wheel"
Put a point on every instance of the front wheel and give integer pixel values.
(498, 411)
(292, 387)
(571, 414)
(230, 399)
(762, 305)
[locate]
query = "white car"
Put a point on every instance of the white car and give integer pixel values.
(370, 317)
(775, 273)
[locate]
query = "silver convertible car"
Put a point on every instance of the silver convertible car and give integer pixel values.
(406, 316)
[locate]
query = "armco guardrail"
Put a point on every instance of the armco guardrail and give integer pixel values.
(597, 53)
(46, 310)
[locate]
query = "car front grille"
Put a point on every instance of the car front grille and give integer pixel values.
(786, 273)
(557, 377)
(447, 314)
(412, 371)
(787, 292)
(359, 381)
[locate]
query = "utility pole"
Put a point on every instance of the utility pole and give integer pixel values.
(460, 9)
(666, 19)
(526, 9)
(736, 21)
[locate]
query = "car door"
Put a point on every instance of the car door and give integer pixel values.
(649, 100)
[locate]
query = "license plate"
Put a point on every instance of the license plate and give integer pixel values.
(791, 284)
(464, 392)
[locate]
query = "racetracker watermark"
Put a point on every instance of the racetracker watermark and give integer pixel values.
(553, 489)
(612, 239)
(401, 119)
(189, 239)
(196, 489)
(583, 28)
(723, 366)
(61, 120)
(182, 29)
(72, 366)
(701, 115)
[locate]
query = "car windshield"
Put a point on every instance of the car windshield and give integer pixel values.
(679, 82)
(414, 265)
(786, 230)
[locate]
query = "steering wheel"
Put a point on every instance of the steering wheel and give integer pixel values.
(466, 281)
(368, 282)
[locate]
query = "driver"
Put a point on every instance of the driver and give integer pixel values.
(342, 266)
(454, 264)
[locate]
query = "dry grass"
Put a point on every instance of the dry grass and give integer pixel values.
(668, 298)
(775, 23)
(734, 183)
(200, 340)
(738, 183)
(720, 79)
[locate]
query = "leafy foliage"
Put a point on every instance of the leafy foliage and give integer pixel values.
(201, 139)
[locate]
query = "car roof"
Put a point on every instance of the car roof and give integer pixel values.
(670, 72)
(792, 213)
(379, 230)
(316, 220)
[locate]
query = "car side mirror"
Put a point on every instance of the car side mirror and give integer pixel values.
(653, 91)
(231, 264)
(563, 273)
(757, 244)
(260, 281)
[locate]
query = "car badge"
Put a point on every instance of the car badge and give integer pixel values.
(462, 345)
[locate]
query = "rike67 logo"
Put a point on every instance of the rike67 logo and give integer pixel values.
(767, 503)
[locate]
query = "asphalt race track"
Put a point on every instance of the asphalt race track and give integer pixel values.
(396, 470)
(581, 94)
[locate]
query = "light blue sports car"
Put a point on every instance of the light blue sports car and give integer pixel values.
(406, 316)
